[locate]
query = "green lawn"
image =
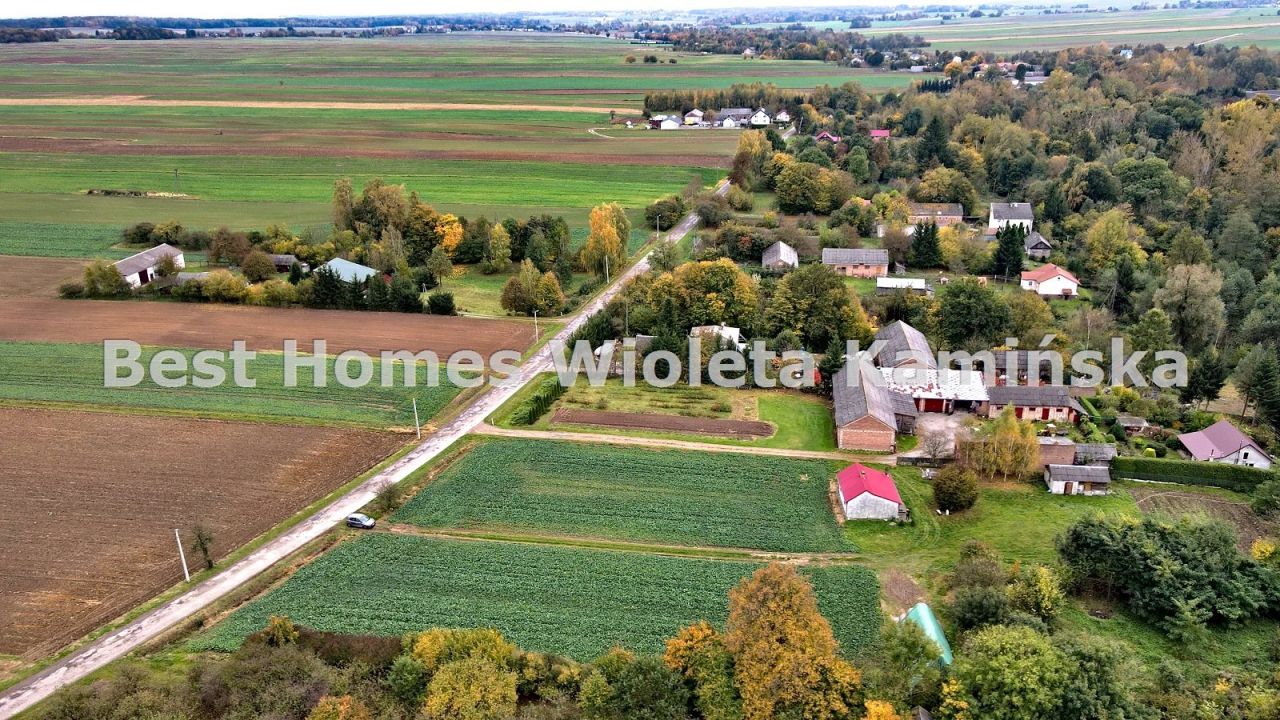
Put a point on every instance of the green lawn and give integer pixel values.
(633, 494)
(570, 601)
(60, 240)
(73, 374)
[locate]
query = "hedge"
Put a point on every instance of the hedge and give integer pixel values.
(1189, 472)
(538, 402)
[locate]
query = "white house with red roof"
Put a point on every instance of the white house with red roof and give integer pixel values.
(868, 494)
(1049, 280)
(1225, 443)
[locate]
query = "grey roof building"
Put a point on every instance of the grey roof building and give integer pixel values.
(146, 259)
(869, 397)
(780, 255)
(855, 256)
(903, 345)
(1034, 396)
(1012, 211)
(348, 271)
(1095, 453)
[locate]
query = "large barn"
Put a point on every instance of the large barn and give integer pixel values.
(869, 415)
(142, 268)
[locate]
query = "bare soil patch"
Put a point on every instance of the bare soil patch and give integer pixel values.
(900, 591)
(1248, 525)
(733, 429)
(36, 277)
(31, 312)
(92, 499)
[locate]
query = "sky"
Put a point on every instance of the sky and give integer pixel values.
(329, 8)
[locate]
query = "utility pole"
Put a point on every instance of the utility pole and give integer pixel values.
(177, 184)
(536, 334)
(606, 269)
(182, 555)
(416, 423)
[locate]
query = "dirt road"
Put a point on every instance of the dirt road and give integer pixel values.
(126, 639)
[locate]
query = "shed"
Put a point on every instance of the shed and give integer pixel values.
(1037, 246)
(1078, 479)
(868, 494)
(917, 286)
(1056, 451)
(780, 256)
(140, 269)
(922, 615)
(1095, 454)
(857, 262)
(348, 271)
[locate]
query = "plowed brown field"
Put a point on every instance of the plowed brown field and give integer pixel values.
(31, 312)
(91, 501)
(736, 429)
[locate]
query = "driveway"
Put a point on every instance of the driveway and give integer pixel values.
(938, 424)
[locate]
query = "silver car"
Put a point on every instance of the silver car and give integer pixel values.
(361, 521)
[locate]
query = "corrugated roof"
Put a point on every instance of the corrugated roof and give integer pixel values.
(855, 256)
(903, 342)
(348, 271)
(933, 384)
(1095, 453)
(1080, 473)
(148, 258)
(867, 397)
(1033, 396)
(858, 479)
(780, 252)
(1218, 440)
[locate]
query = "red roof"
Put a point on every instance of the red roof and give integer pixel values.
(858, 478)
(879, 133)
(1048, 272)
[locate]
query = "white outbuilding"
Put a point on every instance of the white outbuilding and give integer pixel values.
(140, 269)
(868, 494)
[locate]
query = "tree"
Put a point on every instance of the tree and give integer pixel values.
(947, 186)
(326, 292)
(295, 273)
(880, 710)
(604, 249)
(1055, 204)
(1190, 297)
(754, 150)
(665, 257)
(622, 686)
(223, 286)
(343, 205)
(548, 297)
(970, 314)
(202, 543)
(905, 666)
(935, 445)
(497, 252)
(1208, 375)
(1010, 251)
(979, 607)
(1008, 449)
(925, 251)
(257, 266)
(955, 488)
(473, 688)
(785, 655)
(698, 653)
(1010, 673)
(1266, 390)
(1100, 682)
(439, 265)
(1188, 248)
(102, 279)
(932, 146)
(1152, 332)
(1111, 237)
(1037, 591)
(344, 707)
(1030, 317)
(814, 302)
(1241, 242)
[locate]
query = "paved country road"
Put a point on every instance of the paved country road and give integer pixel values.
(124, 640)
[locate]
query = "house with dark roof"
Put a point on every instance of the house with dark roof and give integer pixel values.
(868, 494)
(1225, 443)
(943, 214)
(1037, 246)
(1047, 403)
(857, 262)
(142, 268)
(903, 346)
(779, 257)
(284, 263)
(868, 415)
(1002, 215)
(1078, 479)
(733, 117)
(1056, 451)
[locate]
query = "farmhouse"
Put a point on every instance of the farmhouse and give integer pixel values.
(1049, 280)
(693, 117)
(1037, 246)
(783, 117)
(868, 415)
(917, 286)
(941, 213)
(903, 346)
(827, 136)
(348, 271)
(1223, 442)
(1048, 403)
(868, 494)
(1078, 479)
(140, 269)
(857, 262)
(760, 118)
(1003, 215)
(734, 117)
(780, 256)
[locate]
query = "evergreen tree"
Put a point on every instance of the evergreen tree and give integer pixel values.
(932, 148)
(925, 250)
(1007, 261)
(378, 296)
(1204, 382)
(295, 273)
(1055, 204)
(1266, 390)
(328, 290)
(405, 296)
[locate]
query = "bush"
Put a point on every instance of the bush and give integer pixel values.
(979, 607)
(441, 303)
(1189, 472)
(538, 402)
(1266, 498)
(955, 488)
(222, 286)
(71, 290)
(713, 209)
(740, 199)
(257, 266)
(668, 211)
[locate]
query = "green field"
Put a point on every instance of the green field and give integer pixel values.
(60, 240)
(621, 493)
(73, 374)
(569, 601)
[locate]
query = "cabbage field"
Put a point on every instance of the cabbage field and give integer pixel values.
(571, 601)
(634, 494)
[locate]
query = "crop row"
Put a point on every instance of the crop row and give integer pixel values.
(570, 601)
(665, 496)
